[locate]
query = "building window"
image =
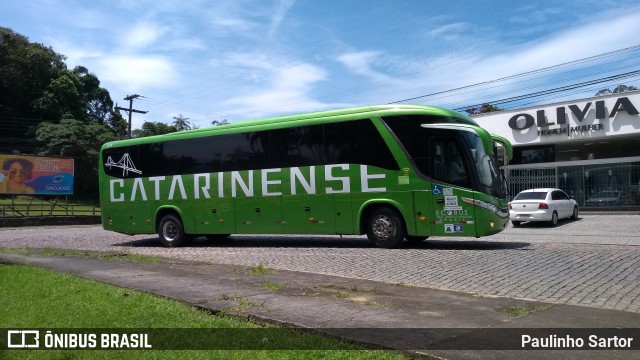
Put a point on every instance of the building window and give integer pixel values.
(602, 185)
(533, 154)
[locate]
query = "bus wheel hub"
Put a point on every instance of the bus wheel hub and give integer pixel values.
(170, 231)
(382, 227)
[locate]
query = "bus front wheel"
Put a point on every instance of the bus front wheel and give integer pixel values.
(385, 228)
(171, 231)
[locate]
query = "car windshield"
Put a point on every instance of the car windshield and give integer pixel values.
(531, 195)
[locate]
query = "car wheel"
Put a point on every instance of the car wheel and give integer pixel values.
(516, 223)
(385, 228)
(171, 231)
(554, 219)
(575, 214)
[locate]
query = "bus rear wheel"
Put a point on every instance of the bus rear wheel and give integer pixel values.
(171, 231)
(385, 228)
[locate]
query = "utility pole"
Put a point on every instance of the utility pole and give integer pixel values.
(131, 109)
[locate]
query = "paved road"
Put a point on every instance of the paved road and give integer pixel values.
(594, 261)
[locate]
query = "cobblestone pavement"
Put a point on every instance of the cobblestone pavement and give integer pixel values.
(594, 261)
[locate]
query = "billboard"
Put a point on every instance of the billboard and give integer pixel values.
(33, 175)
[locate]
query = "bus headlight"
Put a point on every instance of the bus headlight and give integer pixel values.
(485, 205)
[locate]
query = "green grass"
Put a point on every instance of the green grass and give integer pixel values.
(272, 285)
(39, 298)
(260, 270)
(373, 303)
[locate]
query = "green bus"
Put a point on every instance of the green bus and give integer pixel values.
(392, 172)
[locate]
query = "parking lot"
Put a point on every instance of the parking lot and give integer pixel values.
(594, 261)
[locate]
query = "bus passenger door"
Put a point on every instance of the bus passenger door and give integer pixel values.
(452, 213)
(421, 208)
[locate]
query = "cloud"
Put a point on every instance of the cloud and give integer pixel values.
(362, 63)
(448, 30)
(231, 24)
(136, 72)
(421, 75)
(591, 39)
(142, 35)
(282, 9)
(532, 14)
(288, 88)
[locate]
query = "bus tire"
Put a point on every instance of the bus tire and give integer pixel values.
(385, 228)
(171, 231)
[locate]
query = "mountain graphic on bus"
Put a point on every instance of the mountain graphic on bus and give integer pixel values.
(125, 163)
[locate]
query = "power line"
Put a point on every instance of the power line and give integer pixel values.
(433, 95)
(549, 68)
(558, 89)
(131, 109)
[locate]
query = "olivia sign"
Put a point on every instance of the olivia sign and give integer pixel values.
(596, 117)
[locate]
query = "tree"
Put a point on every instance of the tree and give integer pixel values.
(80, 141)
(118, 124)
(484, 108)
(153, 128)
(219, 123)
(36, 86)
(63, 95)
(181, 123)
(26, 69)
(47, 109)
(618, 89)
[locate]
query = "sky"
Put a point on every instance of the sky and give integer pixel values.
(214, 60)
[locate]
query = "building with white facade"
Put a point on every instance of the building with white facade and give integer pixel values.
(588, 147)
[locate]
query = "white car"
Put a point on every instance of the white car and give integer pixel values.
(542, 205)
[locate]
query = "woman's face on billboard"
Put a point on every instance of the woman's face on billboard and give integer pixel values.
(17, 172)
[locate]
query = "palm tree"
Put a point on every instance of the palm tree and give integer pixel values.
(181, 123)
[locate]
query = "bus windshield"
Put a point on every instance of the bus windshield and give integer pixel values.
(489, 175)
(433, 146)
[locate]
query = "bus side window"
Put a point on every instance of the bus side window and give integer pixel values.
(448, 162)
(438, 162)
